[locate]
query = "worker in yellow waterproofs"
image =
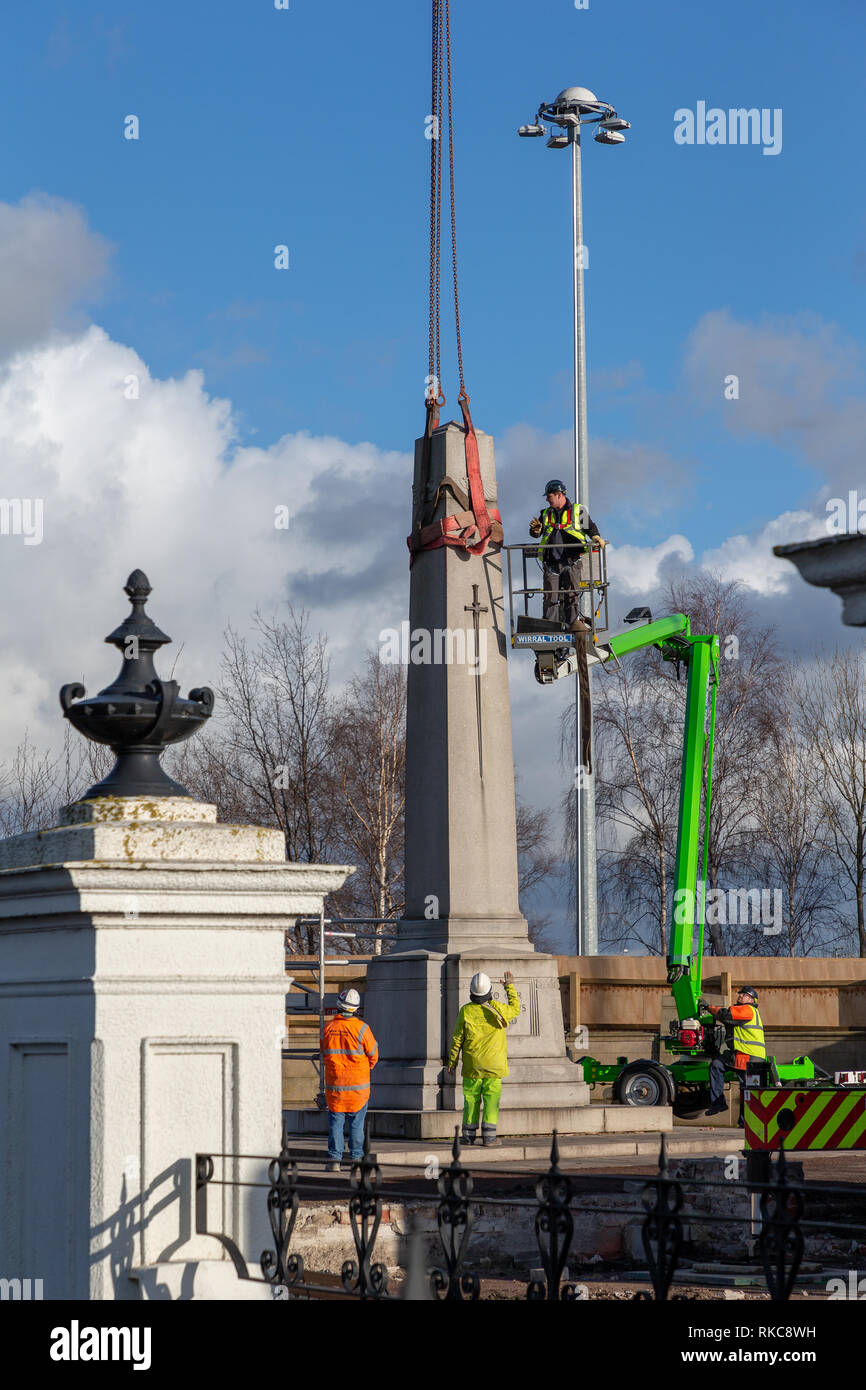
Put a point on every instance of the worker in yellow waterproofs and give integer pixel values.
(480, 1035)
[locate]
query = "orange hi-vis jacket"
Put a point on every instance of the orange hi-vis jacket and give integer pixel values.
(349, 1051)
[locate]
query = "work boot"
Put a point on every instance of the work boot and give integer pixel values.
(469, 1135)
(332, 1165)
(717, 1109)
(741, 1122)
(488, 1136)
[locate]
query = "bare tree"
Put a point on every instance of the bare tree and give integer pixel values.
(28, 789)
(748, 708)
(830, 707)
(791, 849)
(370, 733)
(638, 755)
(537, 868)
(639, 725)
(269, 756)
(36, 785)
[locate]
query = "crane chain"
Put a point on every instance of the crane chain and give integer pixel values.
(441, 87)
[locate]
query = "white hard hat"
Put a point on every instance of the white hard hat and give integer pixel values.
(480, 985)
(349, 1000)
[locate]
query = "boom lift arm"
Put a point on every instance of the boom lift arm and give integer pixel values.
(700, 656)
(694, 1038)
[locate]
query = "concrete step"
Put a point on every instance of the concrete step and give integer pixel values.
(535, 1151)
(541, 1121)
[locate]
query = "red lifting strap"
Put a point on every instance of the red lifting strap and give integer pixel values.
(472, 528)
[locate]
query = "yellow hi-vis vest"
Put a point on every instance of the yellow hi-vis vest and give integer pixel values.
(548, 522)
(749, 1037)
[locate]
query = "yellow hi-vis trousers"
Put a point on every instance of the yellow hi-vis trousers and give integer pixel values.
(475, 1090)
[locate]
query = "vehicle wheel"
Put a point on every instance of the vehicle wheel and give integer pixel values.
(642, 1083)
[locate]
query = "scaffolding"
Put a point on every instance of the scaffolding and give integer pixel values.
(325, 930)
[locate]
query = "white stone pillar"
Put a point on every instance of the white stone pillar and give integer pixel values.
(142, 1008)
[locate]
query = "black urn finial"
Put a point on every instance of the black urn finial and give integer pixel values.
(138, 715)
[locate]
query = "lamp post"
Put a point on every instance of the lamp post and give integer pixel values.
(572, 109)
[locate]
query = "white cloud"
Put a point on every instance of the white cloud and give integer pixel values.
(632, 479)
(49, 260)
(801, 386)
(159, 483)
(750, 559)
(637, 569)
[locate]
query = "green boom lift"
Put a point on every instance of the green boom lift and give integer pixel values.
(694, 1037)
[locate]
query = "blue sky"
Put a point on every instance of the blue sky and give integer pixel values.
(305, 127)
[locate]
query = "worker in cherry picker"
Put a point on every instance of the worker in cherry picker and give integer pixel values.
(744, 1021)
(560, 524)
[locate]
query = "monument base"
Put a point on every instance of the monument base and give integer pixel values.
(411, 1003)
(438, 1125)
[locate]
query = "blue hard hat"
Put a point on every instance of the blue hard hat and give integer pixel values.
(555, 485)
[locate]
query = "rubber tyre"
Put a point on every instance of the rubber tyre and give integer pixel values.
(642, 1083)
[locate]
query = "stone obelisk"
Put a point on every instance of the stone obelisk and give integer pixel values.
(462, 913)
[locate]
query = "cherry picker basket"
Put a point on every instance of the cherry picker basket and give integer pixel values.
(535, 633)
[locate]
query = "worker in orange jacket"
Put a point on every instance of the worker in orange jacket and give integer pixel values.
(349, 1052)
(745, 1022)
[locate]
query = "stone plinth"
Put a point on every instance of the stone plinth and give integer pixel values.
(462, 913)
(837, 563)
(142, 1011)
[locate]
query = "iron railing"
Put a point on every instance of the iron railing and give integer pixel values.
(780, 1240)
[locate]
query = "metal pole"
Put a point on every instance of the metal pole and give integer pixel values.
(321, 998)
(585, 885)
(581, 467)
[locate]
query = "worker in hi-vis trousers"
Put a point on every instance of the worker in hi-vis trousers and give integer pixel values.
(480, 1035)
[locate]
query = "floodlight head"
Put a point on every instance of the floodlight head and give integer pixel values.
(576, 96)
(609, 137)
(558, 142)
(533, 129)
(638, 615)
(614, 123)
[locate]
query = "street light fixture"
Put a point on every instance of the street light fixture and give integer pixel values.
(573, 108)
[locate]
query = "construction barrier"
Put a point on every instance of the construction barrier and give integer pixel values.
(828, 1117)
